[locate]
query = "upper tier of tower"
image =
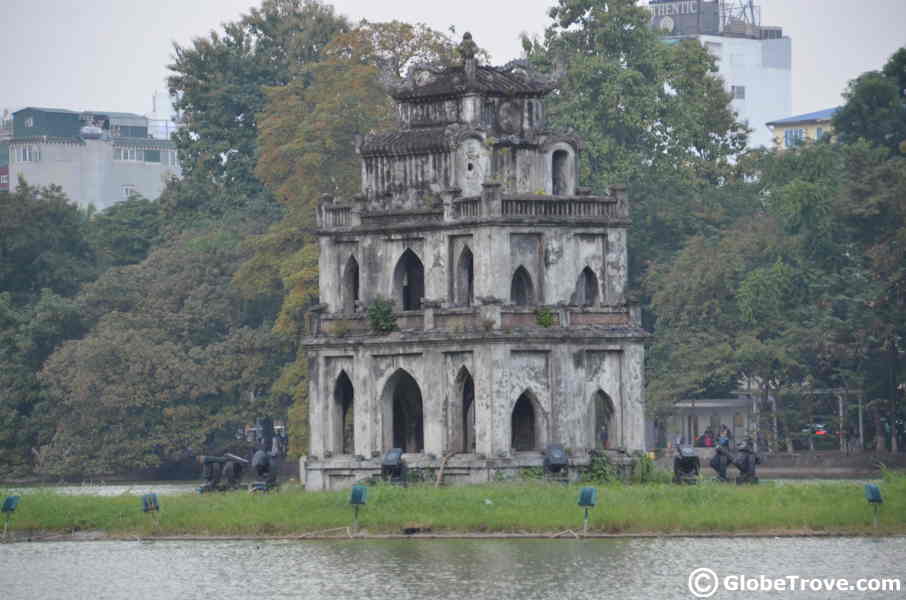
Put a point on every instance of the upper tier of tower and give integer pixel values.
(464, 125)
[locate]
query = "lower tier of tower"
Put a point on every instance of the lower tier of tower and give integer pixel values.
(486, 405)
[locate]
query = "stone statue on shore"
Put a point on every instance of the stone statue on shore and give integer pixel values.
(221, 473)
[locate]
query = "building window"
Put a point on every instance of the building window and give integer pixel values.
(172, 159)
(30, 122)
(793, 137)
(128, 191)
(26, 154)
(133, 154)
(738, 92)
(4, 179)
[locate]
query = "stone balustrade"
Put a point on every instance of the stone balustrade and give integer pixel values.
(492, 205)
(475, 318)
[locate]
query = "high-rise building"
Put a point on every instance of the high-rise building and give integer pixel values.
(754, 60)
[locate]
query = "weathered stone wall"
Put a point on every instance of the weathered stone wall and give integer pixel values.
(554, 258)
(509, 284)
(560, 376)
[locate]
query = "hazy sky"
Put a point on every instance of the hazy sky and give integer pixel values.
(112, 54)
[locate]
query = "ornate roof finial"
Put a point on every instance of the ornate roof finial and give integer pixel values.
(468, 49)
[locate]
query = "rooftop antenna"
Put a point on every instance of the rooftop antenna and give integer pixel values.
(739, 15)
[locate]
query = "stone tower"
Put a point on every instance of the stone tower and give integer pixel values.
(509, 285)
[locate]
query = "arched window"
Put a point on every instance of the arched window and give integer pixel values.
(464, 438)
(409, 281)
(602, 418)
(350, 285)
(465, 277)
(344, 415)
(523, 424)
(522, 292)
(404, 425)
(586, 288)
(560, 175)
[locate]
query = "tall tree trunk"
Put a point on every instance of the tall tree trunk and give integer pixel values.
(880, 446)
(772, 435)
(892, 392)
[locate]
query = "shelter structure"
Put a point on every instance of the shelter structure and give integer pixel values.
(508, 283)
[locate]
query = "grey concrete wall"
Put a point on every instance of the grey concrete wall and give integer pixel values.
(60, 164)
(89, 175)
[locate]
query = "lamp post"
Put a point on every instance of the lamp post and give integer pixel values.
(588, 497)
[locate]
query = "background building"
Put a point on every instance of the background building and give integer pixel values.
(755, 61)
(6, 132)
(792, 131)
(97, 157)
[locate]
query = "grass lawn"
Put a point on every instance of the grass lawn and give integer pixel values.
(524, 507)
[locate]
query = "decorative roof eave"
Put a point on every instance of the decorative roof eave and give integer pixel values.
(407, 142)
(436, 81)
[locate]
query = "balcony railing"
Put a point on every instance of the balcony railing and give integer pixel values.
(478, 318)
(491, 205)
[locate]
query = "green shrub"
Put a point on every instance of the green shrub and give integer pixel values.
(531, 473)
(600, 470)
(380, 315)
(645, 471)
(544, 317)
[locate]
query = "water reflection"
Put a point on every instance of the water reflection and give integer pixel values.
(402, 569)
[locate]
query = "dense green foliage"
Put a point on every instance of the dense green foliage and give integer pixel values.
(518, 507)
(218, 84)
(805, 292)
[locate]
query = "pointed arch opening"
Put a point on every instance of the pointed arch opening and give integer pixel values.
(524, 424)
(586, 293)
(409, 280)
(560, 173)
(404, 423)
(344, 415)
(602, 418)
(522, 292)
(465, 278)
(463, 439)
(350, 285)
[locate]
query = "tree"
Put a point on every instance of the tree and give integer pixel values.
(218, 84)
(42, 243)
(28, 335)
(652, 116)
(875, 108)
(307, 136)
(124, 233)
(173, 357)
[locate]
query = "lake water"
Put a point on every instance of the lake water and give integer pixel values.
(136, 488)
(627, 569)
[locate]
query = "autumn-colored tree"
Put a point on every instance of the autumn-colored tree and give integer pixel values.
(307, 137)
